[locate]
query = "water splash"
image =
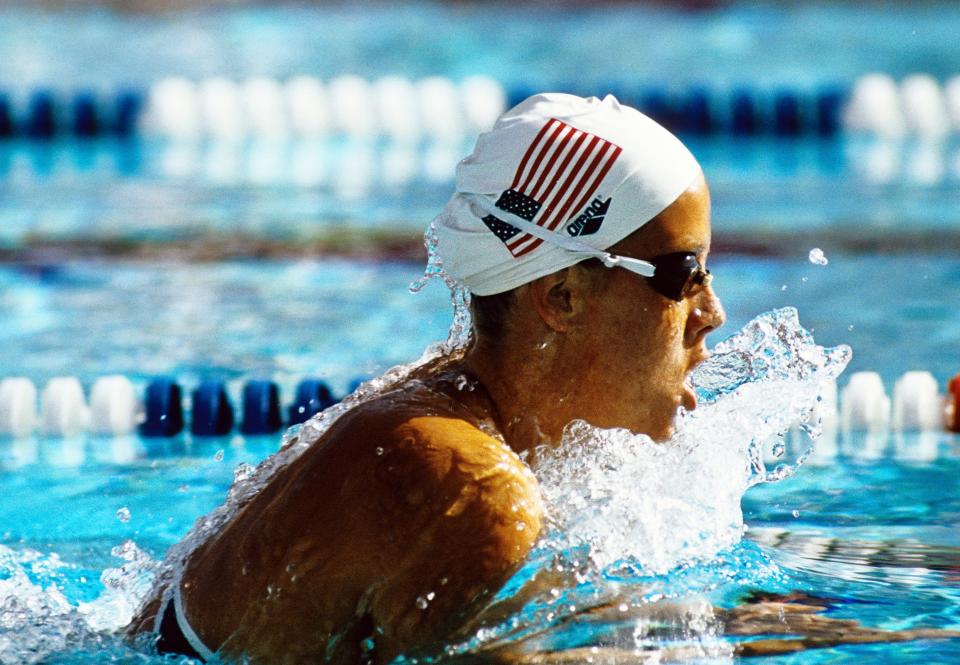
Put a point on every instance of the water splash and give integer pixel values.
(38, 621)
(638, 531)
(462, 326)
(817, 257)
(624, 498)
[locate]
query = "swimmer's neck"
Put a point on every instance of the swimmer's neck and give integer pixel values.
(527, 389)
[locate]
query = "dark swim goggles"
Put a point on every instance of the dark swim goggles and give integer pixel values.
(677, 274)
(672, 275)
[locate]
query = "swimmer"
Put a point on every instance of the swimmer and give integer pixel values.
(582, 229)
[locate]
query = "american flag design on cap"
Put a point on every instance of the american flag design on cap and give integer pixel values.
(557, 176)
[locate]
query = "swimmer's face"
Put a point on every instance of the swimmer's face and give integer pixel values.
(646, 344)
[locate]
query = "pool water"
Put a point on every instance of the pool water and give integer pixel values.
(287, 319)
(93, 281)
(833, 529)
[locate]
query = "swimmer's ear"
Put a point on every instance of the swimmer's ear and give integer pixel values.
(557, 298)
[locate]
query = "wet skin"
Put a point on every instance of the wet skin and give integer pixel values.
(385, 535)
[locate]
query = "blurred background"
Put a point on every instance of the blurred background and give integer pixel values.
(234, 169)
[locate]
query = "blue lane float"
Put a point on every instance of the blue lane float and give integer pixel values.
(212, 413)
(313, 396)
(178, 109)
(127, 111)
(42, 116)
(6, 117)
(787, 119)
(261, 408)
(917, 403)
(744, 117)
(163, 409)
(829, 110)
(86, 120)
(696, 114)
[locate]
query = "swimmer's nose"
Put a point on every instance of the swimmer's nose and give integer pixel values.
(705, 317)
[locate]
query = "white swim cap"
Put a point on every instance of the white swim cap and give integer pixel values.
(559, 178)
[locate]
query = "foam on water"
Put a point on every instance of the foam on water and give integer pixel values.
(37, 619)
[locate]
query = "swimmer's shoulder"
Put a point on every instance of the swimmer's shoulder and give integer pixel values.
(459, 511)
(410, 450)
(400, 519)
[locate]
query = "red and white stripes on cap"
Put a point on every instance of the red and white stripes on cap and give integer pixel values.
(586, 172)
(561, 169)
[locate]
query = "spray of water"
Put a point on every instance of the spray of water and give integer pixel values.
(634, 523)
(623, 497)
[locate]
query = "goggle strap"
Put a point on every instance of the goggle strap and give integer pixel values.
(638, 266)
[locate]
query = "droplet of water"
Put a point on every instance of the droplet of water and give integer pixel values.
(123, 514)
(127, 550)
(795, 513)
(422, 603)
(850, 327)
(378, 450)
(803, 279)
(242, 472)
(219, 455)
(623, 607)
(817, 257)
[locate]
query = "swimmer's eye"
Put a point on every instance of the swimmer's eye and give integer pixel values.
(677, 274)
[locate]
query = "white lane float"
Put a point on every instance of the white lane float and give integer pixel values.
(63, 409)
(18, 407)
(114, 406)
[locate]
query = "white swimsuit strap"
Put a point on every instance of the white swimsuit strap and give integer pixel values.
(638, 266)
(158, 619)
(191, 636)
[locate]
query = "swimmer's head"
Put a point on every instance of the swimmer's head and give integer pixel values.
(559, 179)
(562, 190)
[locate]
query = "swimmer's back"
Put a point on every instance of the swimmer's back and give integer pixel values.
(387, 529)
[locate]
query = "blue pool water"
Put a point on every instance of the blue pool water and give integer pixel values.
(530, 45)
(289, 319)
(93, 282)
(834, 529)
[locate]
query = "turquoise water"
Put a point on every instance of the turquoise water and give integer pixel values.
(870, 521)
(888, 559)
(340, 318)
(529, 45)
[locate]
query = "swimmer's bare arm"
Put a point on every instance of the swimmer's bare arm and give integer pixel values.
(469, 511)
